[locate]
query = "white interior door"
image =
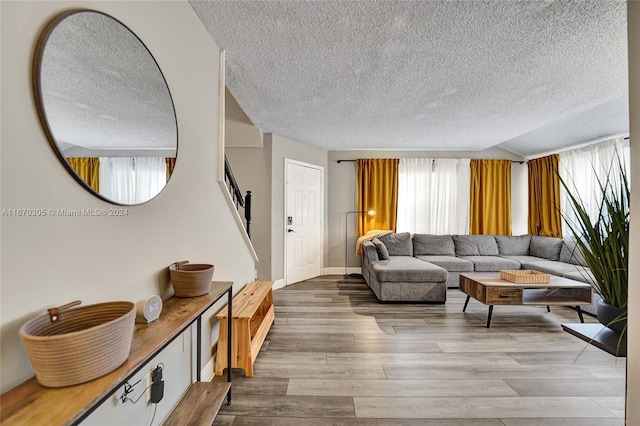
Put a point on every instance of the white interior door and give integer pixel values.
(303, 221)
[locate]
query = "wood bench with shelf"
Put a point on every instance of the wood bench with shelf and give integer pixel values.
(33, 404)
(253, 315)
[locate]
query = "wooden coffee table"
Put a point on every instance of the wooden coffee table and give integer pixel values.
(492, 290)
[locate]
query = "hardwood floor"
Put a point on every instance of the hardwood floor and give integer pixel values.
(336, 356)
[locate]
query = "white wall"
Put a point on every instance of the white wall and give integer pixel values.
(262, 170)
(252, 170)
(238, 128)
(176, 376)
(48, 261)
(343, 195)
(282, 148)
(633, 349)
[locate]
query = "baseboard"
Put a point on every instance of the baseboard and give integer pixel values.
(278, 284)
(207, 372)
(339, 270)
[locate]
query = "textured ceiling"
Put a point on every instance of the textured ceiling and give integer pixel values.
(102, 90)
(529, 76)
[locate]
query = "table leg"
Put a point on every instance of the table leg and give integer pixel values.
(580, 314)
(489, 316)
(466, 303)
(199, 347)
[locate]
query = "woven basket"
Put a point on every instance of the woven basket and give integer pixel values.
(525, 276)
(71, 346)
(191, 280)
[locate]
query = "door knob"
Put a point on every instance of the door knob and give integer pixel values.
(290, 230)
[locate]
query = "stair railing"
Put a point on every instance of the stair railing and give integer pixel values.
(239, 200)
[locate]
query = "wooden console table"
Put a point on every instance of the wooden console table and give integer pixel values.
(32, 404)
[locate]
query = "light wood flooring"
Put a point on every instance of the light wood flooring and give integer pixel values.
(337, 356)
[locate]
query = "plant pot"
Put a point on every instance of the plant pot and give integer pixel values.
(612, 317)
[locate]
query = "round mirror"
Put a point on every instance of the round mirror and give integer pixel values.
(105, 106)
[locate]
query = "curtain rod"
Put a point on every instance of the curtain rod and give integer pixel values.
(353, 161)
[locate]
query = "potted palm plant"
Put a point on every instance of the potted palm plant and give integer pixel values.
(604, 243)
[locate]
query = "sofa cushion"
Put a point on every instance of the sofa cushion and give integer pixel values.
(408, 269)
(545, 247)
(450, 263)
(429, 244)
(383, 253)
(582, 274)
(552, 267)
(523, 259)
(517, 245)
(398, 244)
(475, 245)
(570, 253)
(369, 251)
(531, 264)
(491, 263)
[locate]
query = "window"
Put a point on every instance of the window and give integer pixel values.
(129, 180)
(433, 195)
(583, 168)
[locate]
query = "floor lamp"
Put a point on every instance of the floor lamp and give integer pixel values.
(346, 237)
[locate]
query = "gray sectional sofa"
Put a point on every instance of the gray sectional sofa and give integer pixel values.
(401, 267)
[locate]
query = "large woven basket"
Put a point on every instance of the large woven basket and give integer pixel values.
(191, 280)
(69, 346)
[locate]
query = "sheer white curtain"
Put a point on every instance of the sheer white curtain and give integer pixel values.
(581, 169)
(132, 180)
(151, 177)
(433, 195)
(117, 181)
(415, 178)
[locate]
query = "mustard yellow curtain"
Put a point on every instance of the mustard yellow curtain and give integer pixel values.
(490, 197)
(88, 169)
(377, 190)
(544, 197)
(171, 164)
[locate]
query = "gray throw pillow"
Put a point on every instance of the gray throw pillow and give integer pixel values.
(383, 253)
(517, 245)
(545, 247)
(434, 245)
(475, 245)
(398, 244)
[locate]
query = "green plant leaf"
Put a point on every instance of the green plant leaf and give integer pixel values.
(604, 241)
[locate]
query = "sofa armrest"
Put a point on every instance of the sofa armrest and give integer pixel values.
(369, 252)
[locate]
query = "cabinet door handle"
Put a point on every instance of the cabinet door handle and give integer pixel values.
(504, 296)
